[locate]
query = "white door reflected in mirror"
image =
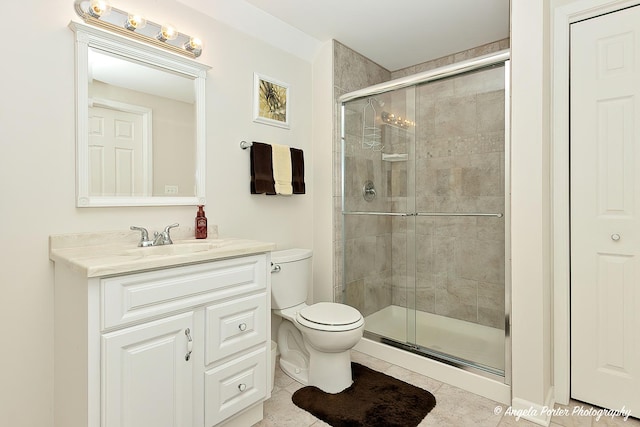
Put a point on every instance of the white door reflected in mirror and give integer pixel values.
(119, 153)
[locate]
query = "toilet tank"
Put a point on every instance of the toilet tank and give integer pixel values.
(290, 277)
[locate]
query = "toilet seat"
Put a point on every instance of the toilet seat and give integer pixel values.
(329, 316)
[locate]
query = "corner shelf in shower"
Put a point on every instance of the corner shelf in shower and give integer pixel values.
(394, 157)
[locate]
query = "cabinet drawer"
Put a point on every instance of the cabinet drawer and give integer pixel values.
(142, 295)
(235, 325)
(234, 386)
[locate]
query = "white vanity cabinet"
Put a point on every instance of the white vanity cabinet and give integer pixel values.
(182, 346)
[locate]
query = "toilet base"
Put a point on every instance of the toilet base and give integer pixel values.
(299, 374)
(330, 372)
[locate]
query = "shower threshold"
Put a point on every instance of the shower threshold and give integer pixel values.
(448, 340)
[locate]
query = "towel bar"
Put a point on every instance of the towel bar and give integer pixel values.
(244, 144)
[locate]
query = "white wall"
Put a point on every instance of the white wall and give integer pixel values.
(323, 106)
(531, 201)
(37, 136)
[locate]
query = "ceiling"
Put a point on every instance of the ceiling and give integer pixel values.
(393, 33)
(397, 33)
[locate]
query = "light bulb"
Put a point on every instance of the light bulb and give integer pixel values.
(194, 44)
(98, 8)
(167, 32)
(135, 22)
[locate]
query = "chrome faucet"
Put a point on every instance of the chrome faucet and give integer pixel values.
(164, 238)
(159, 239)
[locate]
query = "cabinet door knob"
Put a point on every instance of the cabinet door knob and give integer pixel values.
(242, 387)
(615, 237)
(242, 326)
(187, 356)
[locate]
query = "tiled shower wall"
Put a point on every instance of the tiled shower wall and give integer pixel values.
(459, 261)
(353, 71)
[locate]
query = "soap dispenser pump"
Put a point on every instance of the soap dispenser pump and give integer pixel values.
(201, 223)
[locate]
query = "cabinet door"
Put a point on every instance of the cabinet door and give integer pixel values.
(146, 378)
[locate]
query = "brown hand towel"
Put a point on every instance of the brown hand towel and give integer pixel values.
(261, 169)
(297, 171)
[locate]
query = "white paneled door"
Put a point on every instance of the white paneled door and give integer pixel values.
(118, 153)
(605, 210)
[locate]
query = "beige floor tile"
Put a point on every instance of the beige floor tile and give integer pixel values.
(616, 422)
(280, 411)
(456, 407)
(414, 378)
(369, 361)
(281, 379)
(293, 387)
(509, 421)
(570, 420)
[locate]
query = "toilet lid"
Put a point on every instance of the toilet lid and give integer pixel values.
(330, 314)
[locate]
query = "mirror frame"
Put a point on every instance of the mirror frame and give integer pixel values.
(87, 36)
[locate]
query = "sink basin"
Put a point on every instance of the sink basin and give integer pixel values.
(181, 248)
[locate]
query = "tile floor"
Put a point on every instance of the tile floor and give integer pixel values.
(455, 407)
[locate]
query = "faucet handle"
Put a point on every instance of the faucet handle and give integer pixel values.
(144, 235)
(166, 235)
(169, 227)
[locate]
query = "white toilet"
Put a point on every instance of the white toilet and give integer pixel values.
(314, 340)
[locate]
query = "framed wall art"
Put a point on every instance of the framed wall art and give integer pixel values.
(270, 101)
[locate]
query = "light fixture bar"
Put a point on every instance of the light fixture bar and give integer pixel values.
(100, 14)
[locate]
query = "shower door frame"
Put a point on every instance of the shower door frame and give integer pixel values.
(499, 58)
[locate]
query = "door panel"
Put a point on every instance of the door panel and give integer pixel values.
(605, 202)
(117, 153)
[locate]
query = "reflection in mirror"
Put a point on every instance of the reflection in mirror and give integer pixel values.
(141, 136)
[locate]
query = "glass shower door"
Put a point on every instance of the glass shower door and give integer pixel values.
(424, 217)
(378, 238)
(460, 223)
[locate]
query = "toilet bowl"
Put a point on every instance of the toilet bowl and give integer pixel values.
(314, 340)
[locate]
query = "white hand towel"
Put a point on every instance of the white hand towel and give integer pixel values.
(281, 158)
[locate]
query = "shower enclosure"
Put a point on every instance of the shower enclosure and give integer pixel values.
(425, 213)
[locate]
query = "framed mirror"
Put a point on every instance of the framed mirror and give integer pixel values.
(140, 123)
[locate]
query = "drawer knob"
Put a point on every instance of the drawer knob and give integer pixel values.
(242, 326)
(242, 387)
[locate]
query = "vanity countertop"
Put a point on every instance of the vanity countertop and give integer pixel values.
(110, 253)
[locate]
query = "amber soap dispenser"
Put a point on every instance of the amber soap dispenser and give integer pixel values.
(201, 223)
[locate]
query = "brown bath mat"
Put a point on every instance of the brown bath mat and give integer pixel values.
(373, 400)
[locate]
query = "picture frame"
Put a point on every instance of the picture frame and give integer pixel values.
(271, 101)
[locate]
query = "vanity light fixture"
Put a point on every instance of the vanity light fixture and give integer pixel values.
(135, 22)
(397, 121)
(194, 45)
(167, 32)
(101, 14)
(98, 8)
